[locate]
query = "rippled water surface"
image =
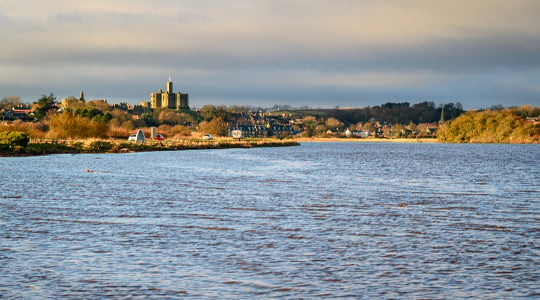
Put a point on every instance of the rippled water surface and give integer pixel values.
(356, 220)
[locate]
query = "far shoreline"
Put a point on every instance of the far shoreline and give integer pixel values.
(395, 140)
(367, 140)
(43, 147)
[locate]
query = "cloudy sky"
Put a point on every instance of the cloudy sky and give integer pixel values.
(319, 53)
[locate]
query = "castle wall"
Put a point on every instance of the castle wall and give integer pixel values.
(155, 100)
(184, 101)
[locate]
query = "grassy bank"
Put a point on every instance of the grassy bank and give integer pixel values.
(58, 146)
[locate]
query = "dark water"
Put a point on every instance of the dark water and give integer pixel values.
(353, 220)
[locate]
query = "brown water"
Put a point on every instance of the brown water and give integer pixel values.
(319, 220)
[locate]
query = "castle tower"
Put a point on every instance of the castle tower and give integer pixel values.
(155, 99)
(169, 86)
(183, 100)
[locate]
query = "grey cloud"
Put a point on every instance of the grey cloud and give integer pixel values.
(471, 55)
(71, 17)
(249, 51)
(239, 88)
(441, 56)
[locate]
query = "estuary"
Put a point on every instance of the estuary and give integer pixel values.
(351, 220)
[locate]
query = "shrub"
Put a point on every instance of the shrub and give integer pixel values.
(119, 132)
(216, 127)
(68, 125)
(47, 148)
(490, 126)
(100, 146)
(14, 139)
(33, 129)
(178, 131)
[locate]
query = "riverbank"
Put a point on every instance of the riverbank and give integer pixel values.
(368, 140)
(57, 146)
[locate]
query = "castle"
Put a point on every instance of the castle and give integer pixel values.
(71, 101)
(169, 99)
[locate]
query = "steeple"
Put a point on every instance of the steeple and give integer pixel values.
(442, 115)
(81, 98)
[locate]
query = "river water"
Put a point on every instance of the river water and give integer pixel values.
(321, 220)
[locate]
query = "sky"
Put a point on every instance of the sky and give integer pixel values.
(317, 53)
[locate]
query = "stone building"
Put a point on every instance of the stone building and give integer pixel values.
(71, 101)
(169, 99)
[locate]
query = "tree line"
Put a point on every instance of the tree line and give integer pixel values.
(397, 113)
(98, 119)
(496, 125)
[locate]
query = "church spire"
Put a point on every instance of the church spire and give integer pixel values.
(442, 115)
